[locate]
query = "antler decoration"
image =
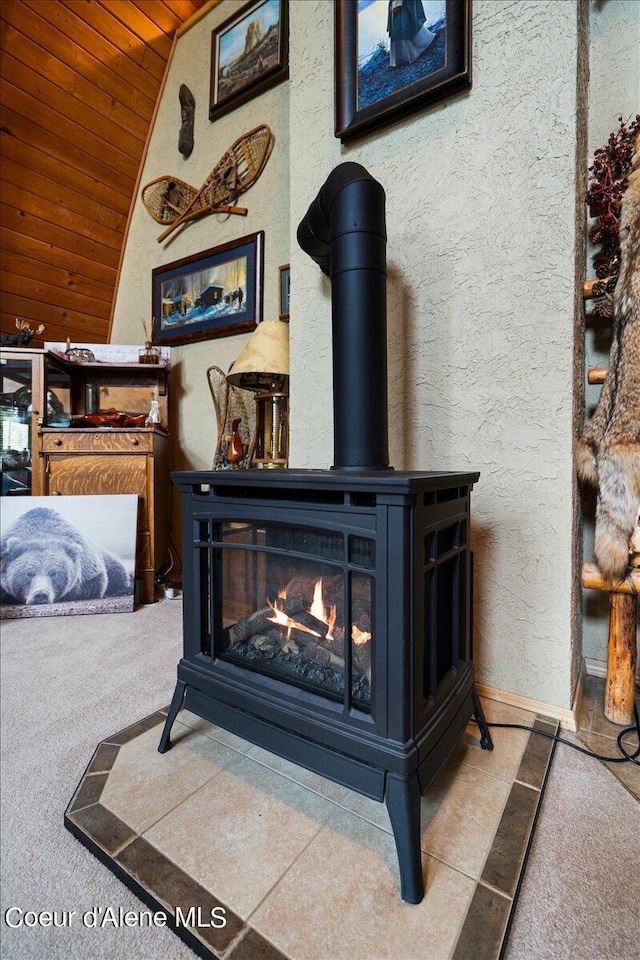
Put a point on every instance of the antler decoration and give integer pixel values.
(174, 202)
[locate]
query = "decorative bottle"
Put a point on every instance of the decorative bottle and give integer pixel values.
(153, 417)
(150, 354)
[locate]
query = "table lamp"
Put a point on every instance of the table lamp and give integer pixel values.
(263, 367)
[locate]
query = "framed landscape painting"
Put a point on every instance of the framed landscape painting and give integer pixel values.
(212, 294)
(249, 54)
(393, 57)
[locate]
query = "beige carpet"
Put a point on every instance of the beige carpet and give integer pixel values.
(69, 683)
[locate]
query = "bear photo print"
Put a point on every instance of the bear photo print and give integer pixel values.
(67, 555)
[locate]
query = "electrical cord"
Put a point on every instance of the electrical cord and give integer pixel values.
(626, 758)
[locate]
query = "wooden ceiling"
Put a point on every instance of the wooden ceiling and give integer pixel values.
(78, 89)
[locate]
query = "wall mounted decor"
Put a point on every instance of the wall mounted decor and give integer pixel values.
(393, 58)
(284, 275)
(249, 54)
(212, 294)
(187, 116)
(172, 201)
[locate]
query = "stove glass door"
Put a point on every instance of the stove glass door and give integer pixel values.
(296, 604)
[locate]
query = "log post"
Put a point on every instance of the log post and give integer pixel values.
(619, 694)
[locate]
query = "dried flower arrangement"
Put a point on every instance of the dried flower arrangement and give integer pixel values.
(608, 182)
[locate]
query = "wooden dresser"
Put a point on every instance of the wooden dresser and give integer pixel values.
(84, 461)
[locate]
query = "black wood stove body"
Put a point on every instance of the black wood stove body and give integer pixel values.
(327, 613)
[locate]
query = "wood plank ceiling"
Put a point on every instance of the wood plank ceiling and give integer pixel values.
(78, 88)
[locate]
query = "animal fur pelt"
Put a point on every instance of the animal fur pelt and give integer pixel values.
(608, 454)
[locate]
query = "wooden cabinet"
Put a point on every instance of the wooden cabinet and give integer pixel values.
(33, 387)
(79, 462)
(47, 449)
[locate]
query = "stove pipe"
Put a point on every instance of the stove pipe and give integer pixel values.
(344, 231)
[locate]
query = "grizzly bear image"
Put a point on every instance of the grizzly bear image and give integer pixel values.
(44, 559)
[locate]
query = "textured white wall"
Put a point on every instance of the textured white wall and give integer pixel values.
(192, 416)
(614, 91)
(480, 218)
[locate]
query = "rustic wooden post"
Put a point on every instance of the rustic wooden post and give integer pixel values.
(619, 695)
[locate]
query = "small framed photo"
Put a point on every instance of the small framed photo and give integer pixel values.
(393, 58)
(249, 54)
(212, 294)
(284, 273)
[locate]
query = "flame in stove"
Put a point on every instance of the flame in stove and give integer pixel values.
(284, 620)
(359, 637)
(320, 612)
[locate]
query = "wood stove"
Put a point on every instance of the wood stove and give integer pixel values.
(327, 613)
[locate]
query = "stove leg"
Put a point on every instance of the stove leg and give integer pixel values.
(485, 737)
(403, 803)
(176, 703)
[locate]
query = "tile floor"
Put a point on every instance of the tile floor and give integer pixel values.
(305, 868)
(599, 735)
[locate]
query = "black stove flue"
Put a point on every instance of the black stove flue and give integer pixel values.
(327, 613)
(344, 231)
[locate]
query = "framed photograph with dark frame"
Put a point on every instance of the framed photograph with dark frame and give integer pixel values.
(212, 294)
(249, 54)
(393, 57)
(284, 285)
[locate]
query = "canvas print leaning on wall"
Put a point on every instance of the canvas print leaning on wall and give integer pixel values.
(67, 555)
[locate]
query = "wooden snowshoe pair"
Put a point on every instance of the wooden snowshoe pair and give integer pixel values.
(172, 201)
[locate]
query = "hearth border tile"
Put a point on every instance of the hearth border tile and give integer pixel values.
(89, 791)
(98, 830)
(537, 756)
(484, 926)
(174, 888)
(104, 758)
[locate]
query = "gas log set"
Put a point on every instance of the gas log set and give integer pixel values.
(327, 613)
(300, 638)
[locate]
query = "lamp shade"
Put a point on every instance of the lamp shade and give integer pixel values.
(264, 362)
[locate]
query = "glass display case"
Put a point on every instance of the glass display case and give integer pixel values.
(34, 389)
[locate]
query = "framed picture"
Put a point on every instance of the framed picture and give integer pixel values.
(212, 294)
(284, 273)
(249, 54)
(395, 57)
(68, 555)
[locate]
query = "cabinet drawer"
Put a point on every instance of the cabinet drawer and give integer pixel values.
(99, 441)
(84, 474)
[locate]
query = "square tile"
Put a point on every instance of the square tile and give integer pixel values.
(209, 729)
(459, 816)
(144, 785)
(238, 833)
(340, 900)
(306, 778)
(508, 745)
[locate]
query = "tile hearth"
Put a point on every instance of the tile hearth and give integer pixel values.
(306, 868)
